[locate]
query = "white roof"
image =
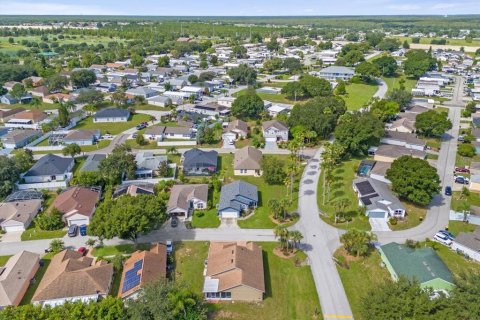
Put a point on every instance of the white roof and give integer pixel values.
(191, 89)
(211, 285)
(276, 108)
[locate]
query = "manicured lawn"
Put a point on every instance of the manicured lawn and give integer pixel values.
(43, 106)
(360, 277)
(460, 203)
(107, 251)
(100, 145)
(206, 219)
(454, 261)
(358, 95)
(434, 143)
(291, 292)
(394, 83)
(279, 98)
(341, 187)
(452, 42)
(34, 233)
(27, 298)
(150, 107)
(431, 156)
(113, 127)
(456, 227)
(415, 216)
(3, 260)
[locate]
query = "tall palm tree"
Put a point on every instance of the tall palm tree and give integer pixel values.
(274, 205)
(172, 150)
(282, 233)
(296, 236)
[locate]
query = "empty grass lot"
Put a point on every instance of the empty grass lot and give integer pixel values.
(113, 127)
(341, 187)
(279, 98)
(291, 292)
(107, 251)
(456, 227)
(454, 261)
(394, 83)
(358, 95)
(460, 203)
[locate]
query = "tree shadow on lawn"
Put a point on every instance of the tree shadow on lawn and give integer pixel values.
(268, 279)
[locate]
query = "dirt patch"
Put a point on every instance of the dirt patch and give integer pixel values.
(279, 252)
(276, 221)
(343, 259)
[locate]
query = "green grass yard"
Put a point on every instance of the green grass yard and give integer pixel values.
(291, 292)
(415, 216)
(456, 227)
(3, 260)
(35, 233)
(113, 127)
(394, 83)
(460, 203)
(107, 251)
(358, 95)
(43, 106)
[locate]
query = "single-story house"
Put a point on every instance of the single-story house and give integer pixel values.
(56, 97)
(195, 91)
(176, 84)
(160, 101)
(403, 139)
(36, 81)
(82, 137)
(134, 189)
(211, 109)
(378, 200)
(196, 162)
(148, 164)
(184, 199)
(6, 114)
(19, 138)
(333, 73)
(143, 92)
(9, 99)
(276, 109)
(29, 119)
(468, 244)
(423, 265)
(275, 131)
(402, 125)
(160, 133)
(234, 271)
(474, 184)
(141, 268)
(238, 127)
(379, 171)
(50, 168)
(17, 215)
(72, 277)
(92, 162)
(112, 115)
(40, 92)
(16, 276)
(9, 85)
(389, 153)
(237, 197)
(247, 162)
(77, 204)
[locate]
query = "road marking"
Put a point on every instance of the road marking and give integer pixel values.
(336, 316)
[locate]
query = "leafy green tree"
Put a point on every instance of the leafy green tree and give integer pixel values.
(432, 123)
(118, 163)
(405, 45)
(18, 91)
(164, 169)
(248, 105)
(57, 82)
(239, 52)
(358, 131)
(292, 65)
(9, 174)
(374, 38)
(120, 98)
(83, 78)
(466, 150)
(319, 114)
(388, 44)
(295, 90)
(136, 60)
(63, 115)
(192, 78)
(367, 70)
(164, 61)
(56, 245)
(243, 74)
(414, 179)
(127, 217)
(23, 159)
(384, 110)
(178, 302)
(356, 242)
(418, 62)
(88, 179)
(273, 170)
(273, 64)
(92, 97)
(71, 150)
(140, 140)
(402, 97)
(316, 87)
(387, 65)
(50, 220)
(341, 88)
(351, 58)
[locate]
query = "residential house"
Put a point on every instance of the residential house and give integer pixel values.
(17, 215)
(160, 101)
(50, 168)
(403, 139)
(422, 264)
(468, 244)
(196, 162)
(275, 131)
(16, 276)
(177, 84)
(160, 133)
(92, 162)
(379, 171)
(82, 137)
(389, 153)
(276, 109)
(234, 271)
(226, 101)
(148, 164)
(72, 277)
(403, 124)
(57, 97)
(40, 92)
(9, 99)
(111, 115)
(6, 114)
(9, 85)
(333, 73)
(248, 162)
(29, 119)
(134, 189)
(237, 197)
(141, 268)
(186, 198)
(36, 81)
(474, 184)
(238, 127)
(143, 92)
(106, 87)
(19, 138)
(378, 200)
(77, 204)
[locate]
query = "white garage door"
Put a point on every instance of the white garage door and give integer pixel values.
(271, 139)
(14, 228)
(78, 222)
(229, 214)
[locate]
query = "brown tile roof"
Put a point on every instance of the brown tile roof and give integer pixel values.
(392, 151)
(180, 195)
(77, 199)
(154, 267)
(70, 274)
(248, 158)
(7, 113)
(34, 115)
(238, 125)
(81, 134)
(235, 264)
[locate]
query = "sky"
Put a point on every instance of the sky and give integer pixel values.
(239, 7)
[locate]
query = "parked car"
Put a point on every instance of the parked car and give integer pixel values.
(83, 230)
(107, 136)
(462, 180)
(448, 191)
(174, 222)
(448, 234)
(82, 250)
(73, 230)
(443, 239)
(462, 170)
(169, 246)
(461, 138)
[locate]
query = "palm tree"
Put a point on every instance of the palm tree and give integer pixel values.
(296, 236)
(282, 233)
(181, 300)
(274, 205)
(90, 109)
(284, 204)
(36, 103)
(91, 242)
(172, 150)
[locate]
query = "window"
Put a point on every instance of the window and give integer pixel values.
(200, 205)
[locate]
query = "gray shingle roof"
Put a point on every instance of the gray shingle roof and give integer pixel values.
(50, 165)
(112, 113)
(195, 157)
(232, 191)
(92, 162)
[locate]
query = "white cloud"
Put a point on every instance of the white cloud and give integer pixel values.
(404, 7)
(52, 8)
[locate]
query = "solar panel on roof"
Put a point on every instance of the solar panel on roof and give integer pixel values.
(132, 278)
(365, 187)
(367, 200)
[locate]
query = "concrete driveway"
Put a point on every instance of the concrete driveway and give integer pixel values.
(379, 224)
(11, 236)
(270, 146)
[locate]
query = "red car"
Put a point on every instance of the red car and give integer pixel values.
(462, 170)
(82, 250)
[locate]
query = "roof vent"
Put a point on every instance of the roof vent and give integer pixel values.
(231, 260)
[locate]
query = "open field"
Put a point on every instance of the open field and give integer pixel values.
(394, 83)
(358, 95)
(113, 127)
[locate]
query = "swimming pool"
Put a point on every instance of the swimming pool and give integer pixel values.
(365, 168)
